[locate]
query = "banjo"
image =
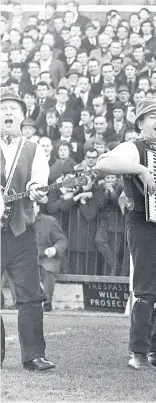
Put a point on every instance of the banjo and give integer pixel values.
(12, 196)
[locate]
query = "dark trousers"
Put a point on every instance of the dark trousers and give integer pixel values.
(110, 245)
(20, 259)
(48, 281)
(142, 243)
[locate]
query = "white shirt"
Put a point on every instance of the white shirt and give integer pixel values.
(59, 109)
(95, 79)
(84, 97)
(70, 60)
(45, 64)
(30, 111)
(118, 125)
(40, 167)
(34, 81)
(92, 41)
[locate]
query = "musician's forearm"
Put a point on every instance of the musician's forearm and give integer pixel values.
(119, 167)
(40, 168)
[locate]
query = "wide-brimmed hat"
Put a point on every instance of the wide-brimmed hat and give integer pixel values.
(143, 107)
(8, 93)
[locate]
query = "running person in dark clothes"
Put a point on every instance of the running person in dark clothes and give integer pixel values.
(128, 159)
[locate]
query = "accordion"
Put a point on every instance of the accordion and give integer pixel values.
(150, 201)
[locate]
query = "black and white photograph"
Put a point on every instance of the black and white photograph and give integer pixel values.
(78, 201)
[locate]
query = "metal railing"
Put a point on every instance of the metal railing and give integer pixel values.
(97, 249)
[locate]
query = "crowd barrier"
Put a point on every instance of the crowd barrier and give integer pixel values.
(84, 261)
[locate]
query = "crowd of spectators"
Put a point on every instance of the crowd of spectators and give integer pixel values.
(81, 81)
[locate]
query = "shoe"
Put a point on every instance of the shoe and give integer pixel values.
(139, 361)
(152, 358)
(47, 307)
(38, 364)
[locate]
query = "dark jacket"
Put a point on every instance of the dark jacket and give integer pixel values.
(77, 220)
(61, 167)
(50, 234)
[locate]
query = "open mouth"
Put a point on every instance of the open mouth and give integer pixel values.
(8, 122)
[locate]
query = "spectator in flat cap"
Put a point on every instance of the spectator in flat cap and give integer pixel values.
(28, 128)
(124, 95)
(33, 31)
(70, 80)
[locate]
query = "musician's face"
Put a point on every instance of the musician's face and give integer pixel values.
(148, 125)
(11, 116)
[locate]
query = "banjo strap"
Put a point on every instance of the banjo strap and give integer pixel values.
(14, 165)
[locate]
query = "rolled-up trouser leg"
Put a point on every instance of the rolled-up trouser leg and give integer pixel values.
(30, 328)
(141, 326)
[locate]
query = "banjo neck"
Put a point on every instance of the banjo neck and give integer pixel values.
(80, 181)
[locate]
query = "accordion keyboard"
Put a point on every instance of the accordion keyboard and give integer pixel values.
(150, 201)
